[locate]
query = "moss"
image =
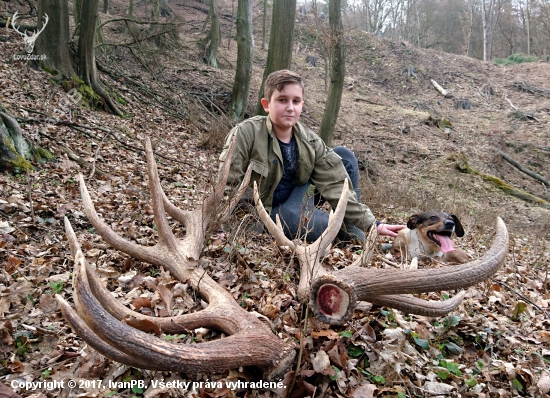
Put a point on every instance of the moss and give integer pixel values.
(461, 162)
(120, 100)
(43, 154)
(19, 162)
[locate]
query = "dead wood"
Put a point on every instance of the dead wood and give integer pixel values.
(441, 90)
(524, 169)
(464, 167)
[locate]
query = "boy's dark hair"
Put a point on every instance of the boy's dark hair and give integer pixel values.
(278, 80)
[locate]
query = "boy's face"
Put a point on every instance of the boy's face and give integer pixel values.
(285, 106)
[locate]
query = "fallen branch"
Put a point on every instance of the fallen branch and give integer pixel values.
(510, 102)
(464, 167)
(442, 91)
(523, 169)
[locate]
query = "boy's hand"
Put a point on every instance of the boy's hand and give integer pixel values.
(388, 230)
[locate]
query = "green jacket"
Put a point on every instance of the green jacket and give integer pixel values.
(257, 144)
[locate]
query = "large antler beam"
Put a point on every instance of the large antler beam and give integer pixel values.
(98, 316)
(334, 297)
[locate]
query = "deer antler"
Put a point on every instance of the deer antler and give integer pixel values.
(98, 315)
(334, 297)
(310, 255)
(335, 294)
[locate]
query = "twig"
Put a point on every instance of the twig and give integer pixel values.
(510, 102)
(29, 184)
(385, 260)
(95, 157)
(519, 295)
(298, 363)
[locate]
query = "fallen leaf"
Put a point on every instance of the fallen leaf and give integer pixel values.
(47, 303)
(140, 302)
(166, 296)
(12, 265)
(321, 361)
(364, 391)
(328, 333)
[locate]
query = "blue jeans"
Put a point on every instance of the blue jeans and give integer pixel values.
(299, 215)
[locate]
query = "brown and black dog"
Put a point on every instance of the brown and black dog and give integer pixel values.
(429, 234)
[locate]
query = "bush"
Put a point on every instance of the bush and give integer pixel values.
(515, 59)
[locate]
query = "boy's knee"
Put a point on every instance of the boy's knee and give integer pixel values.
(345, 153)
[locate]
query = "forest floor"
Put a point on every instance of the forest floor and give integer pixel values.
(411, 141)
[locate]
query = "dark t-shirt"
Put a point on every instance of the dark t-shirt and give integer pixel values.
(290, 165)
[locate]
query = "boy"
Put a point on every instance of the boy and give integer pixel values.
(288, 158)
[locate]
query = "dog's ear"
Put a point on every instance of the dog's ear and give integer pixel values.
(458, 226)
(413, 221)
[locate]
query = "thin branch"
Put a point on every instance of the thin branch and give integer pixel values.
(523, 169)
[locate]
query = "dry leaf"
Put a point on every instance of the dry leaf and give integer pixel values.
(328, 333)
(48, 303)
(321, 361)
(364, 391)
(166, 296)
(12, 265)
(140, 302)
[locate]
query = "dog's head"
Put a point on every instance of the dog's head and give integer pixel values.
(436, 228)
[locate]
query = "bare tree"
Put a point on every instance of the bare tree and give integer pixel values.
(338, 72)
(54, 41)
(86, 53)
(245, 58)
(215, 34)
(281, 37)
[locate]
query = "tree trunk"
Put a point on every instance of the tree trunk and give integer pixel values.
(155, 10)
(207, 18)
(245, 57)
(106, 6)
(264, 23)
(14, 150)
(54, 41)
(214, 34)
(77, 13)
(337, 74)
(131, 9)
(87, 68)
(281, 37)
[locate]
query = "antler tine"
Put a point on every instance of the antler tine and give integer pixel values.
(80, 327)
(176, 324)
(149, 351)
(210, 204)
(332, 296)
(335, 220)
(414, 305)
(238, 194)
(146, 254)
(166, 237)
(276, 230)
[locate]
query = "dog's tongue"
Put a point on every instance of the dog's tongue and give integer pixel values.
(446, 244)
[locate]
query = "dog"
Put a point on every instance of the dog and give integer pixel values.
(429, 234)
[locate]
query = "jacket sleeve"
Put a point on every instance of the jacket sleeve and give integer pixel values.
(328, 176)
